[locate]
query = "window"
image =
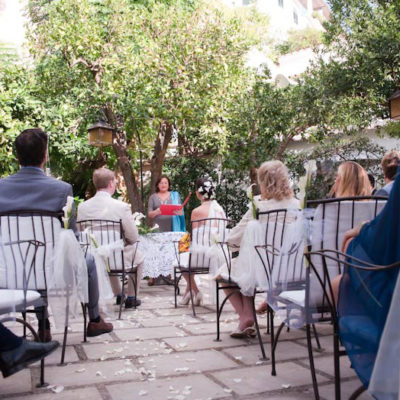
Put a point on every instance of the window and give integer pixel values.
(280, 3)
(295, 17)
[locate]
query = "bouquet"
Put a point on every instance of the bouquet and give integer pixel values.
(141, 226)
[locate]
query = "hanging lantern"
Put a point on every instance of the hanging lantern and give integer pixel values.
(100, 134)
(394, 105)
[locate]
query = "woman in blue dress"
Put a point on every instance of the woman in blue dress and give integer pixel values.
(365, 296)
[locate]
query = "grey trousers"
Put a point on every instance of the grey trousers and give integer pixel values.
(93, 305)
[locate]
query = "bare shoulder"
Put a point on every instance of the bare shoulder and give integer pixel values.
(200, 212)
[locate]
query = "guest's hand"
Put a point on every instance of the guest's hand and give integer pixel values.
(349, 235)
(158, 211)
(178, 212)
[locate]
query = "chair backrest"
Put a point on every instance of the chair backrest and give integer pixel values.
(332, 219)
(279, 228)
(94, 233)
(206, 234)
(37, 226)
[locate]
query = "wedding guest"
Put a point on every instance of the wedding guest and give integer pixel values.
(209, 208)
(276, 193)
(351, 180)
(166, 223)
(31, 189)
(103, 206)
(365, 296)
(389, 164)
(17, 353)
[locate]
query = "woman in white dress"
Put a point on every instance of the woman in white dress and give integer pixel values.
(276, 193)
(205, 191)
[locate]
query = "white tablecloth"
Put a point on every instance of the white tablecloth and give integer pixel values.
(159, 252)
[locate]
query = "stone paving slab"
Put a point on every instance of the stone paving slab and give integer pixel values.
(251, 354)
(189, 387)
(76, 394)
(258, 379)
(190, 362)
(347, 388)
(17, 383)
(126, 349)
(89, 373)
(149, 333)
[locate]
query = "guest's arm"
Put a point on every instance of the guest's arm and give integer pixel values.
(350, 235)
(151, 213)
(128, 225)
(235, 235)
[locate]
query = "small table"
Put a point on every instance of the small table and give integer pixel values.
(159, 252)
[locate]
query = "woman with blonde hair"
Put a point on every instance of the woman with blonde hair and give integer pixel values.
(276, 193)
(351, 180)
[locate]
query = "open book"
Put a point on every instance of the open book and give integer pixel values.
(168, 209)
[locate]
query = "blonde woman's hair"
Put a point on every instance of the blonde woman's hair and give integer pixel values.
(273, 179)
(102, 177)
(353, 181)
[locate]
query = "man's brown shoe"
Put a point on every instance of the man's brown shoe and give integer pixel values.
(98, 328)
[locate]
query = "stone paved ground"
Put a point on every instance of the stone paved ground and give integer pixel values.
(159, 352)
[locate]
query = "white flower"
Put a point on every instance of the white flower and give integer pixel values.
(67, 209)
(156, 226)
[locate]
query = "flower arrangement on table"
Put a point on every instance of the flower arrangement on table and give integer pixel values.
(249, 192)
(141, 226)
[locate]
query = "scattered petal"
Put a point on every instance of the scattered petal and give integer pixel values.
(238, 358)
(286, 385)
(57, 389)
(143, 393)
(80, 370)
(237, 380)
(183, 369)
(227, 390)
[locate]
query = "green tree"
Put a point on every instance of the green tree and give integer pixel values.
(154, 71)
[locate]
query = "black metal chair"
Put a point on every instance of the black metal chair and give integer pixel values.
(205, 233)
(21, 286)
(44, 227)
(100, 232)
(324, 303)
(275, 222)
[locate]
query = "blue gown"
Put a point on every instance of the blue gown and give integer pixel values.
(365, 296)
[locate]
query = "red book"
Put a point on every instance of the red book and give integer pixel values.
(168, 209)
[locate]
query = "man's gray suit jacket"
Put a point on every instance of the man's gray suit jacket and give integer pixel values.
(30, 189)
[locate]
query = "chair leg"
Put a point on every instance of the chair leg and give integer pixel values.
(84, 312)
(191, 294)
(122, 295)
(311, 359)
(175, 289)
(64, 345)
(316, 337)
(357, 392)
(272, 330)
(268, 311)
(41, 337)
(273, 348)
(218, 312)
(336, 362)
(264, 357)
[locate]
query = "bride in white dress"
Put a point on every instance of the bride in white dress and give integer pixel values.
(205, 236)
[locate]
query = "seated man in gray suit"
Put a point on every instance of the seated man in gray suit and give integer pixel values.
(103, 206)
(31, 189)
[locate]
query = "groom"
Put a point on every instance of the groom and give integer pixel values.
(31, 189)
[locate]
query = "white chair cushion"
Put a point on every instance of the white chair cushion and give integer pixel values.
(12, 299)
(294, 296)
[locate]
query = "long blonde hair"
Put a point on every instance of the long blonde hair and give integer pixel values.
(273, 179)
(352, 180)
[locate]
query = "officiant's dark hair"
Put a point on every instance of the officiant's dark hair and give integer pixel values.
(31, 147)
(159, 180)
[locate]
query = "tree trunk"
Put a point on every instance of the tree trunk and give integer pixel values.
(120, 149)
(160, 149)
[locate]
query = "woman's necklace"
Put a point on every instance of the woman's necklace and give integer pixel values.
(163, 199)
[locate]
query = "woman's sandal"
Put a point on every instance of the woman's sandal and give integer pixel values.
(263, 308)
(250, 331)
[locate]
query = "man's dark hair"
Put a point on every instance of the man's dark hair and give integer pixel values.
(31, 147)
